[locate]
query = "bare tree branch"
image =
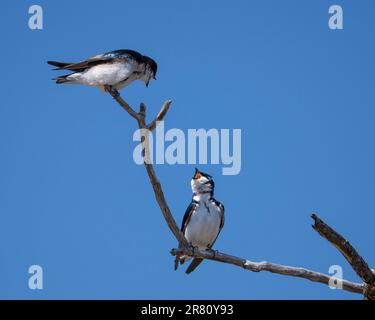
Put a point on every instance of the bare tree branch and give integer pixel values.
(159, 195)
(158, 191)
(355, 260)
(358, 264)
(116, 95)
(266, 266)
(163, 111)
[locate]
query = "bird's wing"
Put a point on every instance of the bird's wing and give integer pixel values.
(79, 66)
(58, 64)
(123, 55)
(222, 211)
(197, 261)
(187, 216)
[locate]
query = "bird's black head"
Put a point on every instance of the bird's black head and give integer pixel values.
(202, 182)
(152, 65)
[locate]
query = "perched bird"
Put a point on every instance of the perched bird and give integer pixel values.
(115, 69)
(203, 219)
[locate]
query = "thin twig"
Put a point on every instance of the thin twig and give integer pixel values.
(163, 111)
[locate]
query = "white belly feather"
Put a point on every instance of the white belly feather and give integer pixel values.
(105, 74)
(203, 226)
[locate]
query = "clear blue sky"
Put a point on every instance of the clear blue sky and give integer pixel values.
(73, 201)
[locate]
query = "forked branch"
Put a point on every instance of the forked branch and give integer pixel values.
(355, 260)
(158, 191)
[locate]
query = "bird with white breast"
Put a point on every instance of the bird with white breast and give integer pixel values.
(112, 70)
(203, 219)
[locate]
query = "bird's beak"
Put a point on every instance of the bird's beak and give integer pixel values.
(197, 174)
(147, 83)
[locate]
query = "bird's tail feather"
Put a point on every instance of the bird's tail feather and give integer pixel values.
(58, 64)
(63, 79)
(195, 263)
(176, 263)
(180, 260)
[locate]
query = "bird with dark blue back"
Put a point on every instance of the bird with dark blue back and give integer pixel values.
(115, 70)
(203, 219)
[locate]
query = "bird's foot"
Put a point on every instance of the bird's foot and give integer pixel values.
(213, 252)
(110, 89)
(193, 249)
(107, 88)
(117, 94)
